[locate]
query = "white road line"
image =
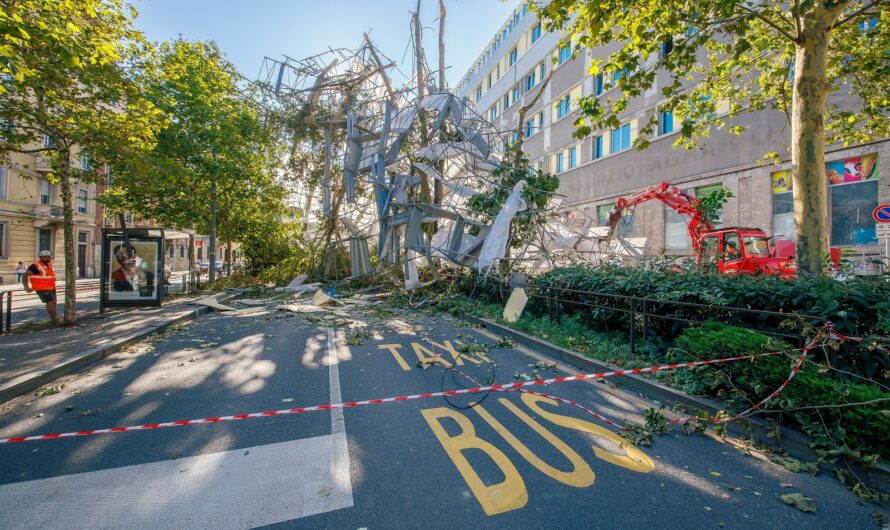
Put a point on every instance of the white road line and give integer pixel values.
(340, 451)
(243, 488)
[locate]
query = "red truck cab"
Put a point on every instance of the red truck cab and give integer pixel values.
(738, 250)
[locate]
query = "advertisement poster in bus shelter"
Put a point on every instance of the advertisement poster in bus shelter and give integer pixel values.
(132, 278)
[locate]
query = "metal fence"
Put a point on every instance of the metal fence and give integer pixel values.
(639, 313)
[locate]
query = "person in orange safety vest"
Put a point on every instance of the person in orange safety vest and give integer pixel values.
(43, 280)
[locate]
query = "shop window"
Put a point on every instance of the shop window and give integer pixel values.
(851, 206)
(852, 197)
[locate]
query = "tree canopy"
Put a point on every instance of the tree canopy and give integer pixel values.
(821, 62)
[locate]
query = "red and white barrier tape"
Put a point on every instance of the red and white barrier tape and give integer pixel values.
(298, 410)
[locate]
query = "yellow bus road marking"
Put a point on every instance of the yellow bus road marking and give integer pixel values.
(511, 493)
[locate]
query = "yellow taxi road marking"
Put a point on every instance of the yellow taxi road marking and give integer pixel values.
(511, 493)
(427, 355)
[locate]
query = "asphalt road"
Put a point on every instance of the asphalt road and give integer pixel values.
(510, 461)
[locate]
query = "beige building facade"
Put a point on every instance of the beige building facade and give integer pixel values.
(31, 217)
(596, 170)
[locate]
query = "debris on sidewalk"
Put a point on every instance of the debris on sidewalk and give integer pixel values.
(297, 308)
(515, 305)
(320, 299)
(253, 302)
(213, 303)
(800, 501)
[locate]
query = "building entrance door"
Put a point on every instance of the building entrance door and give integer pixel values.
(81, 254)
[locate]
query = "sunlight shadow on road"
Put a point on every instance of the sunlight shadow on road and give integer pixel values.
(314, 346)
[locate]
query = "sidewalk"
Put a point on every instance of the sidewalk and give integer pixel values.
(81, 285)
(31, 360)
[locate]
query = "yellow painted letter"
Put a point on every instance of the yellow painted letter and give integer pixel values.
(394, 350)
(581, 476)
(497, 498)
(425, 355)
(633, 459)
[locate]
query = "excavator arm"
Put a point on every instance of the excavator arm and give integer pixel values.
(681, 202)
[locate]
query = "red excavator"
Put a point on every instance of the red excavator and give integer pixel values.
(733, 250)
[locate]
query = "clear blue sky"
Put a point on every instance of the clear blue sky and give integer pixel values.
(248, 30)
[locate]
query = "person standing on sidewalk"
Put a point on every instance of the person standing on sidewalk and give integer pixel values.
(20, 270)
(43, 280)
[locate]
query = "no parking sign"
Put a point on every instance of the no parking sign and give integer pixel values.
(882, 216)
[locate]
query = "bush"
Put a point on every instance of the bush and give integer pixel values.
(857, 307)
(832, 427)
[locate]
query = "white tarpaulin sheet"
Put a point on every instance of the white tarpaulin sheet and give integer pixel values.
(495, 245)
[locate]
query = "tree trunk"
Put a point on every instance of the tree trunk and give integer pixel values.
(425, 192)
(63, 169)
(808, 145)
(229, 258)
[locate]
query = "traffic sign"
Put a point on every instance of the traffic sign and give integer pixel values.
(882, 213)
(883, 230)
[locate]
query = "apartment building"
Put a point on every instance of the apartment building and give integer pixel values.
(596, 170)
(31, 217)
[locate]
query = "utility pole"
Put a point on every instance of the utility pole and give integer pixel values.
(211, 254)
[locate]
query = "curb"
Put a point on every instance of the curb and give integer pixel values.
(793, 442)
(28, 382)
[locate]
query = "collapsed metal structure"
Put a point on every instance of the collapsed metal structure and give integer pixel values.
(391, 170)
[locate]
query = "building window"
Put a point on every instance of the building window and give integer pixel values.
(516, 18)
(573, 157)
(852, 196)
(181, 251)
(478, 93)
(4, 239)
(783, 216)
(48, 141)
(676, 231)
(565, 53)
(618, 75)
(530, 81)
(540, 121)
(542, 71)
(625, 224)
(868, 23)
(45, 189)
(493, 112)
(540, 165)
(597, 147)
(598, 86)
(560, 159)
(536, 32)
(44, 239)
(666, 124)
(489, 81)
(564, 106)
(4, 181)
(667, 47)
(514, 55)
(82, 201)
(514, 137)
(506, 101)
(85, 162)
(620, 139)
(530, 128)
(516, 94)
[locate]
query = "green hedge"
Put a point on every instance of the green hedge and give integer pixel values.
(833, 430)
(859, 307)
